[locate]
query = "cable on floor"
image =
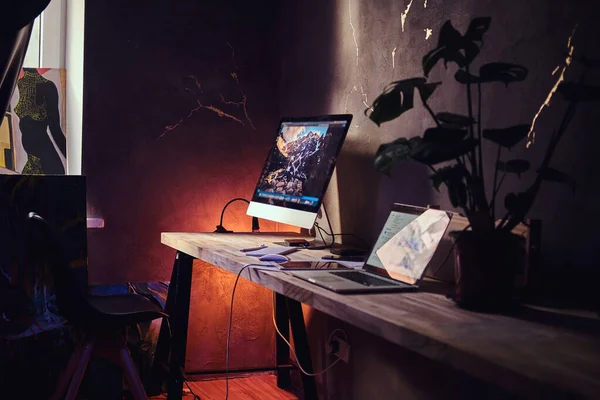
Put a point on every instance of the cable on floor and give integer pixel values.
(237, 278)
(229, 328)
(294, 352)
(196, 397)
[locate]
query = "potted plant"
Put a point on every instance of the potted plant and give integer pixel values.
(487, 253)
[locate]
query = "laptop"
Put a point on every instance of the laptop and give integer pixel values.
(399, 258)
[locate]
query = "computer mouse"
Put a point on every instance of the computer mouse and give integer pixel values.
(278, 258)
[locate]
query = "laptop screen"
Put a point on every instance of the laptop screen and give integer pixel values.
(407, 242)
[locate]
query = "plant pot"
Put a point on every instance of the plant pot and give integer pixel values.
(485, 267)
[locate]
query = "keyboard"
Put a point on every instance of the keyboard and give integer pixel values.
(364, 279)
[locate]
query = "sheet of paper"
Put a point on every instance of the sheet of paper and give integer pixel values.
(406, 255)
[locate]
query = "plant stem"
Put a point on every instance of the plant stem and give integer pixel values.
(499, 184)
(430, 112)
(494, 190)
(510, 221)
(479, 135)
(470, 109)
(478, 188)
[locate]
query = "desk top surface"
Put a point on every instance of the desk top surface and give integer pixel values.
(522, 353)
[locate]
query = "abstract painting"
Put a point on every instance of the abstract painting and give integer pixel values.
(27, 300)
(38, 122)
(6, 147)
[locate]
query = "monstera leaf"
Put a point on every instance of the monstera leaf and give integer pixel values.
(453, 47)
(554, 175)
(457, 191)
(454, 120)
(453, 177)
(427, 89)
(430, 152)
(502, 72)
(477, 28)
(579, 91)
(462, 76)
(398, 98)
(516, 166)
(388, 154)
(494, 72)
(514, 202)
(445, 174)
(448, 49)
(444, 135)
(507, 137)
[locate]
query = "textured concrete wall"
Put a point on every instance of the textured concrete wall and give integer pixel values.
(363, 46)
(164, 152)
(180, 111)
(355, 49)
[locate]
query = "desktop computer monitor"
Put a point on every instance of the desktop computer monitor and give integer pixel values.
(293, 181)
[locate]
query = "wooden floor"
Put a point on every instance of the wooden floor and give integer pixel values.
(256, 387)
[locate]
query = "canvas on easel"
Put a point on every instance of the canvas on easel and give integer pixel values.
(38, 122)
(6, 141)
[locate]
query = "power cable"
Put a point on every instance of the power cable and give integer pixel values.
(229, 329)
(294, 352)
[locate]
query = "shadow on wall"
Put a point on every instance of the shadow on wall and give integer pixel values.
(307, 48)
(307, 54)
(366, 196)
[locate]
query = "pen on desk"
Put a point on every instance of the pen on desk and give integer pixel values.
(262, 246)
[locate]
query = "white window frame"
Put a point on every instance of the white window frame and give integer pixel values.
(53, 35)
(74, 49)
(61, 46)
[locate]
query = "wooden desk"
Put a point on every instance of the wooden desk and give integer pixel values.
(528, 358)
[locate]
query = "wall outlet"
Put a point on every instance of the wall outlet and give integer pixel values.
(339, 348)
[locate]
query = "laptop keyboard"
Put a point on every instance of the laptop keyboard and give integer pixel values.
(363, 279)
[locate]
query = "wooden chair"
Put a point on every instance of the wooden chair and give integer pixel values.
(100, 320)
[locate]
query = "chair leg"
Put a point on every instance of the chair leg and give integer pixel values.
(65, 376)
(135, 384)
(86, 353)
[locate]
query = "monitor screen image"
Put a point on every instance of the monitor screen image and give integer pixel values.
(293, 181)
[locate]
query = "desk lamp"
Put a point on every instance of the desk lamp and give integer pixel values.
(222, 229)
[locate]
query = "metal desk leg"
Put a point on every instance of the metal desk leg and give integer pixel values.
(178, 308)
(302, 348)
(179, 327)
(163, 345)
(282, 352)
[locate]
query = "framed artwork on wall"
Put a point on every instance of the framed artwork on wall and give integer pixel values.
(38, 122)
(6, 144)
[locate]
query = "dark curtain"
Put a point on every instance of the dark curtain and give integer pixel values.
(16, 21)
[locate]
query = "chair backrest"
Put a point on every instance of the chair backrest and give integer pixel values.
(61, 201)
(44, 247)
